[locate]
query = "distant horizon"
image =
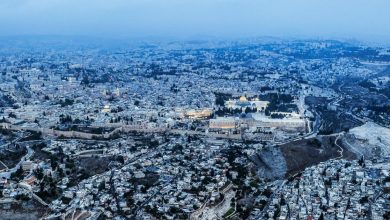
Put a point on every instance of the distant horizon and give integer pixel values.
(169, 39)
(360, 20)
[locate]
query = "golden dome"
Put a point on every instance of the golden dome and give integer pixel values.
(243, 99)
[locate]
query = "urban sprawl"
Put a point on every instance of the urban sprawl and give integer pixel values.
(255, 129)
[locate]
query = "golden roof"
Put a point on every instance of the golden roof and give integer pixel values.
(243, 99)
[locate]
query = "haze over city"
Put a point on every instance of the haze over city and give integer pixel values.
(176, 19)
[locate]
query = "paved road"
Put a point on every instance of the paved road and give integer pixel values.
(341, 149)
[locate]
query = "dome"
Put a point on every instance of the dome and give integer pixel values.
(243, 99)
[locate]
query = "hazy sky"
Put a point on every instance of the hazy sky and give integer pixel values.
(361, 19)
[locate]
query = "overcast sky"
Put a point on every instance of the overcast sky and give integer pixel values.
(360, 19)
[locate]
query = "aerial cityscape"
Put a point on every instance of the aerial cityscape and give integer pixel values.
(209, 128)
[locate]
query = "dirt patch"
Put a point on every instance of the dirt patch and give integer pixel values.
(335, 122)
(314, 101)
(23, 210)
(12, 156)
(93, 165)
(270, 163)
(40, 154)
(304, 153)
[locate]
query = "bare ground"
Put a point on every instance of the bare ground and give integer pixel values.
(308, 152)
